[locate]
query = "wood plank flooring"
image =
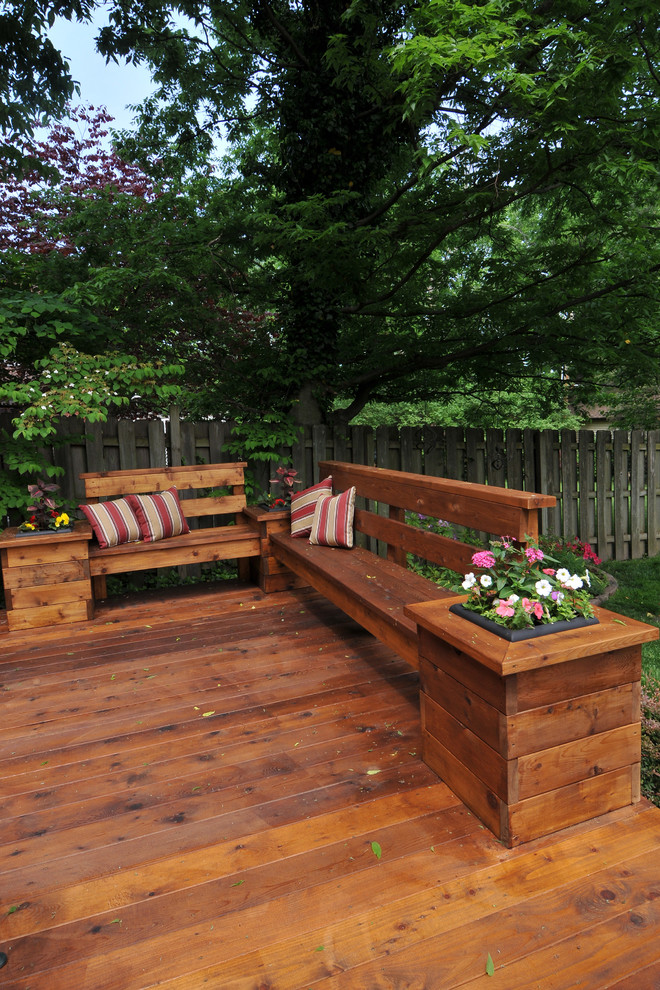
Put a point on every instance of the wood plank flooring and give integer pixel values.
(214, 788)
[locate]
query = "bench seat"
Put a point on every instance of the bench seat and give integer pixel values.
(371, 589)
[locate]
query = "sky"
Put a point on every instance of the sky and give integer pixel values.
(113, 86)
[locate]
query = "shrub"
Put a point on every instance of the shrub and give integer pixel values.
(577, 556)
(651, 740)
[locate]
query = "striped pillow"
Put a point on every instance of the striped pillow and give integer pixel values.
(113, 522)
(159, 515)
(303, 505)
(332, 525)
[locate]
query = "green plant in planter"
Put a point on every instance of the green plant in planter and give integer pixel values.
(519, 588)
(45, 512)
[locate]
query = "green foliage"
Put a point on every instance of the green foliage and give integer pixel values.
(578, 557)
(419, 201)
(35, 80)
(262, 440)
(539, 408)
(71, 383)
(169, 577)
(637, 596)
(650, 770)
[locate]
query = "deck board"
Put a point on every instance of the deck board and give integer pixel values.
(191, 787)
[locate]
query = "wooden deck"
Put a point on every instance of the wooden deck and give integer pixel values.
(217, 788)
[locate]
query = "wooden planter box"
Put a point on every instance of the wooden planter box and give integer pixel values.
(46, 577)
(537, 735)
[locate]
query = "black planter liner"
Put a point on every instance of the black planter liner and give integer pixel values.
(43, 532)
(515, 635)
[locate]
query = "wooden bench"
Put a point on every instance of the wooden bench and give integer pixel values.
(220, 491)
(373, 589)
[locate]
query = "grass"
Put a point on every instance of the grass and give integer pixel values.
(638, 597)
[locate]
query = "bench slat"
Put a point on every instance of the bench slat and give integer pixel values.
(431, 546)
(198, 546)
(490, 509)
(117, 483)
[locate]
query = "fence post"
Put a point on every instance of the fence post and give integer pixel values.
(175, 437)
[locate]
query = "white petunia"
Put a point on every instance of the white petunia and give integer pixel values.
(574, 582)
(563, 575)
(486, 580)
(543, 588)
(469, 582)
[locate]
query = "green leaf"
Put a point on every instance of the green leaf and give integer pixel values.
(376, 850)
(490, 966)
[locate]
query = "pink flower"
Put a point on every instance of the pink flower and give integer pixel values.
(533, 554)
(538, 610)
(550, 571)
(527, 604)
(505, 610)
(484, 558)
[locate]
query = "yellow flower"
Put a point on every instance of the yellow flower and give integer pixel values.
(28, 526)
(62, 520)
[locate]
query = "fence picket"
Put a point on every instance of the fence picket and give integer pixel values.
(157, 450)
(568, 472)
(653, 492)
(586, 482)
(495, 458)
(638, 494)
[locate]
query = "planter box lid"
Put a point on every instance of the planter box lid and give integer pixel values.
(81, 529)
(612, 633)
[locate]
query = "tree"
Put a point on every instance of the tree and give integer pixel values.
(128, 260)
(424, 194)
(62, 352)
(35, 80)
(436, 191)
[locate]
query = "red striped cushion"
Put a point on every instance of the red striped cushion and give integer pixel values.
(332, 525)
(303, 505)
(159, 515)
(113, 522)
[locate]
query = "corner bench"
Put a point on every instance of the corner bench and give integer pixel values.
(238, 540)
(375, 590)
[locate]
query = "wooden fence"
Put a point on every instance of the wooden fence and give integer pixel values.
(607, 484)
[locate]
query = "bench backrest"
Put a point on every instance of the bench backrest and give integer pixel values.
(486, 508)
(204, 479)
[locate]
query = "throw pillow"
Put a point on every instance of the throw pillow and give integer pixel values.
(303, 505)
(332, 525)
(160, 515)
(113, 522)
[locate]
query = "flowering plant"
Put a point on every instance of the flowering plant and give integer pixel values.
(282, 488)
(45, 511)
(518, 588)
